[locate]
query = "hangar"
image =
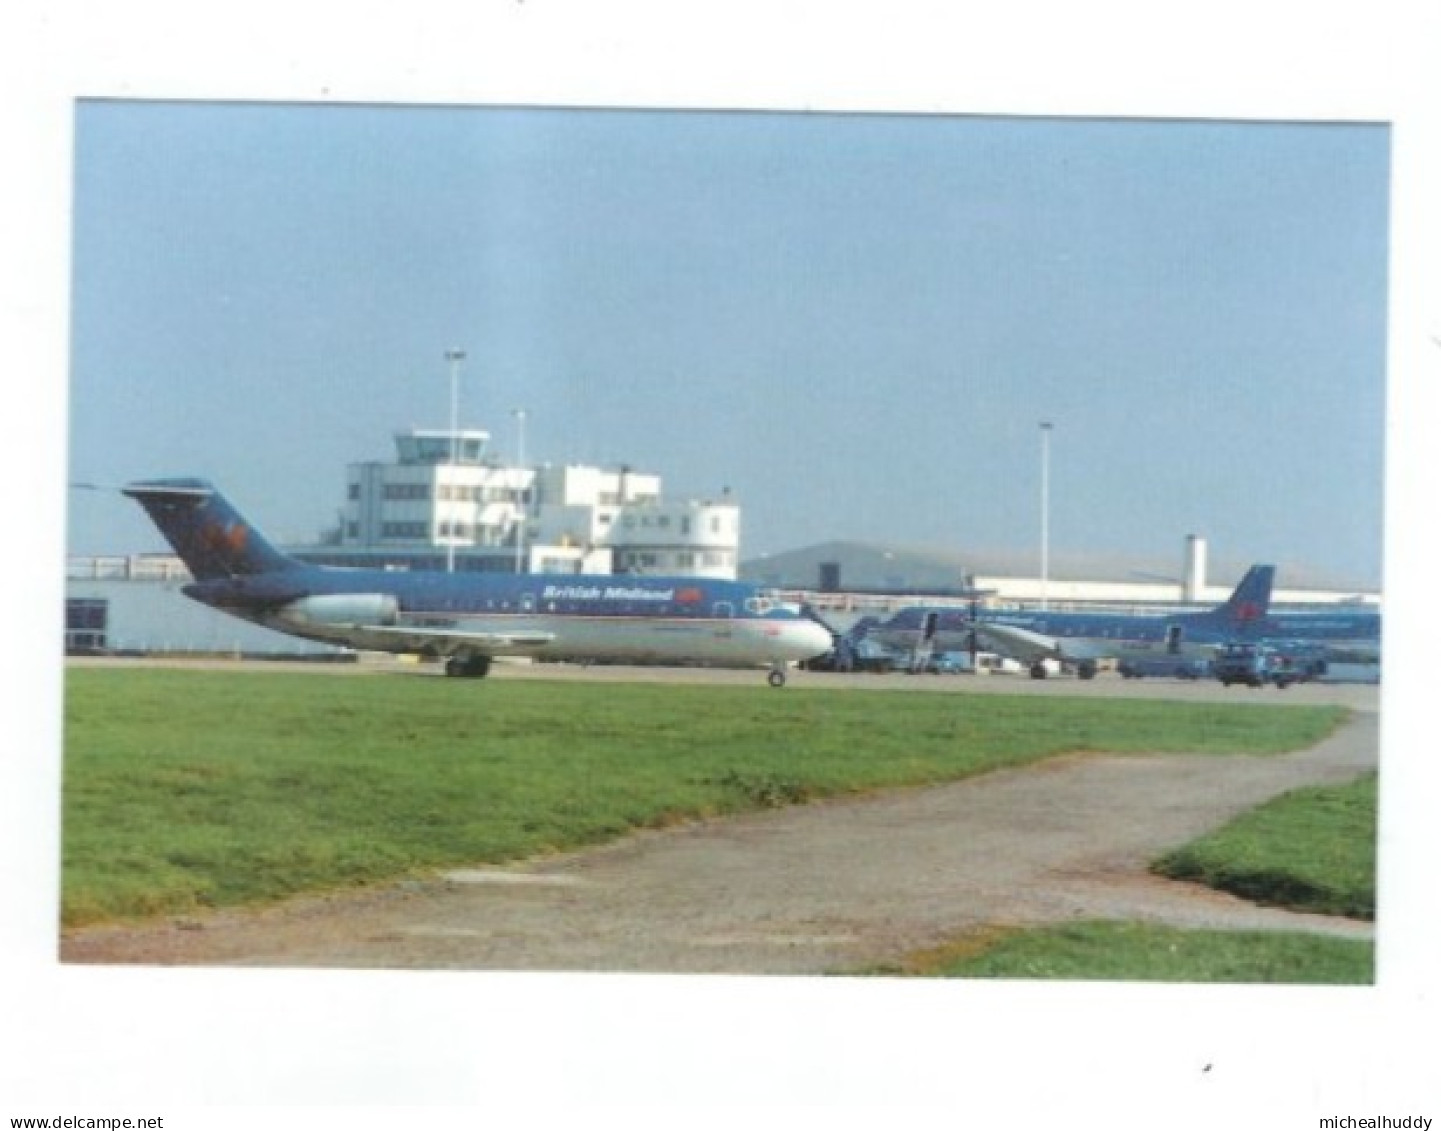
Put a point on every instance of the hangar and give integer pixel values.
(879, 575)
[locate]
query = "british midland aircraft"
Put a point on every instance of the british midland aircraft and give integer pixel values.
(1083, 639)
(471, 618)
(1338, 636)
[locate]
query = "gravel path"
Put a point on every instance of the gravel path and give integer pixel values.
(819, 888)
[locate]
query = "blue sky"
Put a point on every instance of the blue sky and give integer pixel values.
(855, 322)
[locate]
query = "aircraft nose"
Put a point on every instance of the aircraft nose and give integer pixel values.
(810, 639)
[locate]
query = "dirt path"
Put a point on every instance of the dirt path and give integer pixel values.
(819, 888)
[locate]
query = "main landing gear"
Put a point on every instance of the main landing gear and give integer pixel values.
(777, 677)
(468, 667)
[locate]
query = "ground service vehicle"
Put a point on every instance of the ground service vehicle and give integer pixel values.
(1257, 664)
(1171, 667)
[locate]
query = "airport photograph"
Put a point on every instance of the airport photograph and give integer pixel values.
(806, 568)
(572, 489)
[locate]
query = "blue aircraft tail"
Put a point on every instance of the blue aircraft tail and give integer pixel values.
(1250, 601)
(207, 532)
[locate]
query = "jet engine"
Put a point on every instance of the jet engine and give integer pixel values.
(342, 609)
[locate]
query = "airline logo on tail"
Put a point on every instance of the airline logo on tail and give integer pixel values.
(229, 538)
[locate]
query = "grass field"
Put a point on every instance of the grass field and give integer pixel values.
(1311, 850)
(186, 789)
(1142, 952)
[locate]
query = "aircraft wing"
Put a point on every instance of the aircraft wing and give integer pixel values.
(446, 641)
(1018, 643)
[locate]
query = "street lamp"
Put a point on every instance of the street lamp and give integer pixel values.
(1045, 510)
(454, 356)
(519, 414)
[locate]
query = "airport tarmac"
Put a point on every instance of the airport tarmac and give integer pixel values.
(1360, 696)
(833, 886)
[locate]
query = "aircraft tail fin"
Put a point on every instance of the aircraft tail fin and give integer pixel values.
(208, 533)
(1251, 599)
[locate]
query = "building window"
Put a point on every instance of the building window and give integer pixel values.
(86, 623)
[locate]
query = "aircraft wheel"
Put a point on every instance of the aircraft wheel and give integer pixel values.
(1038, 671)
(468, 667)
(777, 678)
(1087, 670)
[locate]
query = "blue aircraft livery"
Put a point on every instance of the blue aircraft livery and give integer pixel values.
(468, 619)
(1343, 636)
(1083, 639)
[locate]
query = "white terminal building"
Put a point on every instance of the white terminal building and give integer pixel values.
(444, 502)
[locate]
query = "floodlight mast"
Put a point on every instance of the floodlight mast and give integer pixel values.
(519, 414)
(454, 356)
(1045, 510)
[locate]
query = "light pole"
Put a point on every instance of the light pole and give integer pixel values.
(519, 414)
(1045, 510)
(454, 356)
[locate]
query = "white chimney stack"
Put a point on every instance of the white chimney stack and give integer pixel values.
(1193, 572)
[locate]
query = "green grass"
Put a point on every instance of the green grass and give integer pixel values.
(1143, 952)
(187, 789)
(1312, 850)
